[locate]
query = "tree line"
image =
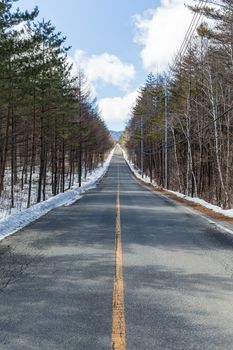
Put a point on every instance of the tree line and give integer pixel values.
(51, 132)
(199, 115)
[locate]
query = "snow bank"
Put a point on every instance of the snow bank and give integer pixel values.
(20, 219)
(136, 172)
(215, 208)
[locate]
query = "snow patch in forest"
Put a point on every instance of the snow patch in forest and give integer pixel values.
(137, 172)
(146, 179)
(19, 219)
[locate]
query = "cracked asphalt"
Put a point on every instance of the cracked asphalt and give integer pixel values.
(56, 275)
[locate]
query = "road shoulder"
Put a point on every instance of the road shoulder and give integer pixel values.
(221, 222)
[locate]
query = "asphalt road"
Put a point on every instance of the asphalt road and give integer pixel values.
(57, 275)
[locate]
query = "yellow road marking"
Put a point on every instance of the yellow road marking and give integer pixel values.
(118, 304)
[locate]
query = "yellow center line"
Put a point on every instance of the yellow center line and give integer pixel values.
(118, 304)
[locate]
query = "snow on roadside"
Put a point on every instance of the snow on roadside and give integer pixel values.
(215, 208)
(136, 172)
(20, 219)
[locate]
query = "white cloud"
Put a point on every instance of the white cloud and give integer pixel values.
(23, 29)
(161, 31)
(74, 73)
(116, 110)
(105, 68)
(74, 69)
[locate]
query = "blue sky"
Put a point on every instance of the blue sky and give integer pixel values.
(117, 43)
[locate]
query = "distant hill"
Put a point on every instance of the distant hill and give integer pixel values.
(116, 134)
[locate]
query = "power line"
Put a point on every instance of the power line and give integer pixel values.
(188, 36)
(182, 50)
(184, 45)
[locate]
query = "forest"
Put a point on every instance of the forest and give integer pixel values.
(51, 131)
(181, 129)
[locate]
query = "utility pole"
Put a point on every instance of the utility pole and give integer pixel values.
(142, 147)
(165, 136)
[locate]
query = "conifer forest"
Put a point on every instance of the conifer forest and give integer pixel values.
(51, 131)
